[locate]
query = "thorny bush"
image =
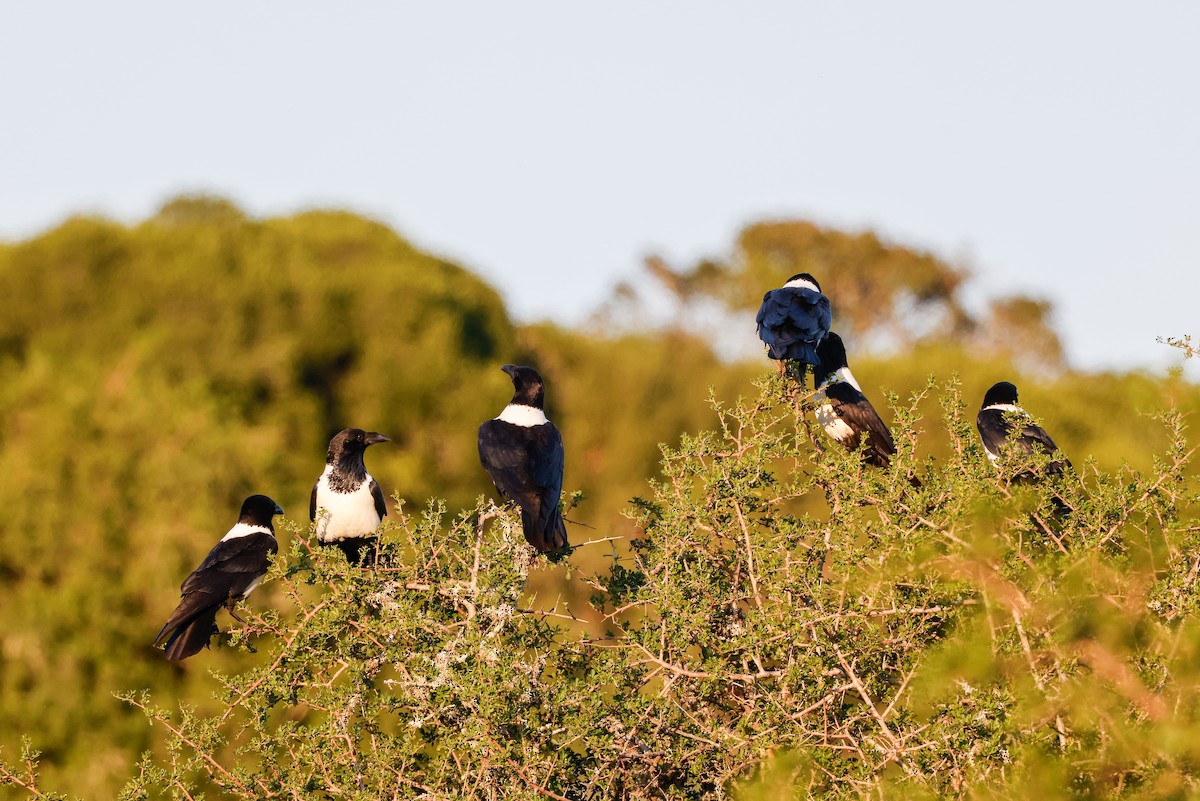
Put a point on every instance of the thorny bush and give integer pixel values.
(788, 623)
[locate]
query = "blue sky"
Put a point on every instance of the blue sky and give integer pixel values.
(1054, 149)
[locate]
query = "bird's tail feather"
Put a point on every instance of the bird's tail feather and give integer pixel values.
(189, 639)
(548, 540)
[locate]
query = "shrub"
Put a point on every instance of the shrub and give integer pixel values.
(788, 623)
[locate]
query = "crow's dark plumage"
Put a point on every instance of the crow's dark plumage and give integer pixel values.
(228, 574)
(842, 409)
(347, 504)
(523, 453)
(1001, 420)
(794, 319)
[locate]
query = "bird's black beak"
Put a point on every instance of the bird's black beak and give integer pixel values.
(511, 369)
(278, 509)
(374, 438)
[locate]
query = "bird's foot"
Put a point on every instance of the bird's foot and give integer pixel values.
(230, 608)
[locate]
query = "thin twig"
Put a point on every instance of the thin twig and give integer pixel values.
(269, 671)
(862, 692)
(749, 553)
(217, 766)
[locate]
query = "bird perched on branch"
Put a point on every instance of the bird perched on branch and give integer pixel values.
(230, 572)
(842, 409)
(523, 453)
(347, 504)
(794, 319)
(1001, 420)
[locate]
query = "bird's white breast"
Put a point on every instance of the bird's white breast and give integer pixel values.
(253, 584)
(345, 514)
(834, 426)
(524, 416)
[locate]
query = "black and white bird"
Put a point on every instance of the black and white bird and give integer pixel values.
(523, 453)
(1001, 420)
(228, 574)
(794, 319)
(347, 504)
(842, 409)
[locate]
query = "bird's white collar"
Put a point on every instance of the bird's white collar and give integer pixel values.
(524, 416)
(244, 530)
(802, 283)
(1003, 407)
(842, 375)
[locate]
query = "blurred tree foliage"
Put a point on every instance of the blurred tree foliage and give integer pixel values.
(153, 375)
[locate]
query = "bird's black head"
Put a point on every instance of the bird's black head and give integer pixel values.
(804, 277)
(351, 442)
(528, 389)
(1003, 392)
(257, 510)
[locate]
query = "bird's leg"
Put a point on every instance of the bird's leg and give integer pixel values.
(230, 605)
(800, 371)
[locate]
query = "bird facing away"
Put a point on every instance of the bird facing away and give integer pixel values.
(346, 503)
(842, 409)
(794, 319)
(523, 453)
(228, 574)
(1001, 420)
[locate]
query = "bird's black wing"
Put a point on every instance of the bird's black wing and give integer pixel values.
(993, 430)
(1034, 437)
(857, 412)
(546, 459)
(377, 494)
(520, 460)
(239, 556)
(504, 453)
(225, 573)
(312, 501)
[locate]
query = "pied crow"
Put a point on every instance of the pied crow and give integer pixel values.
(523, 453)
(842, 409)
(794, 319)
(347, 504)
(1001, 420)
(228, 574)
